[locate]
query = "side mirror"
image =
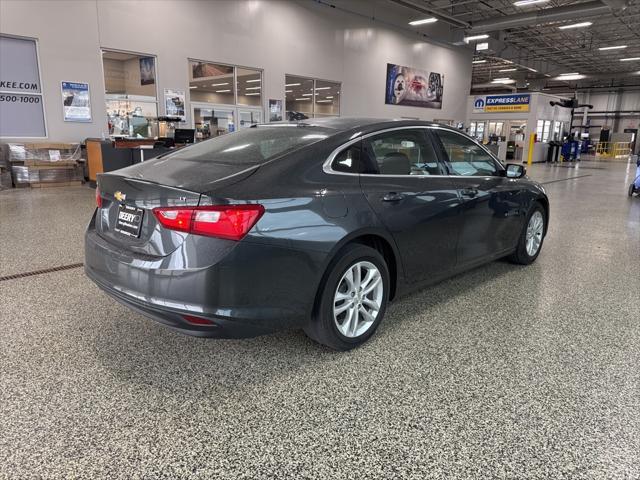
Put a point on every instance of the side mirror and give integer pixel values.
(515, 171)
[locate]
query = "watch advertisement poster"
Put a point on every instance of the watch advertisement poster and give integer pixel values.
(76, 102)
(174, 103)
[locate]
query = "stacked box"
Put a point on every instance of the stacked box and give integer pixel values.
(44, 164)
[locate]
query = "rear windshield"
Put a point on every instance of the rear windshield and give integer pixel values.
(252, 146)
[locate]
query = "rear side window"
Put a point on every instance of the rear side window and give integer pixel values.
(402, 152)
(466, 158)
(348, 160)
(254, 145)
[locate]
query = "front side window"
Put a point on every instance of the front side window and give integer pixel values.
(402, 152)
(466, 157)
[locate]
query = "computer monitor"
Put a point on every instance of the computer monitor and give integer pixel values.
(184, 135)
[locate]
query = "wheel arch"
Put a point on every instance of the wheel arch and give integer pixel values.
(374, 238)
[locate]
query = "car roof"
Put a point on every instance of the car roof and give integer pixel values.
(346, 124)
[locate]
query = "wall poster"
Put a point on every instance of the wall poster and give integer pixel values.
(21, 104)
(412, 87)
(76, 102)
(174, 103)
(275, 110)
(147, 70)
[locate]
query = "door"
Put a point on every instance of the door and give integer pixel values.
(414, 200)
(248, 117)
(491, 202)
(211, 120)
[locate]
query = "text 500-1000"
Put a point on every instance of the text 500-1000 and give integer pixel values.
(19, 98)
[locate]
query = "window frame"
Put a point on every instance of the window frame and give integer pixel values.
(442, 155)
(426, 137)
(500, 169)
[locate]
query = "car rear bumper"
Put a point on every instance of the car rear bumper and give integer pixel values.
(246, 290)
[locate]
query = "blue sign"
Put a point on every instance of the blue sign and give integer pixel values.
(479, 103)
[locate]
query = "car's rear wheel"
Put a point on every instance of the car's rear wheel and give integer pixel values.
(352, 300)
(531, 238)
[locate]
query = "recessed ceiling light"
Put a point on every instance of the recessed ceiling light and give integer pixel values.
(253, 88)
(631, 59)
(572, 73)
(291, 84)
(423, 21)
(193, 86)
(323, 101)
(303, 98)
(482, 46)
(253, 93)
(475, 37)
(522, 3)
(307, 94)
(576, 25)
(255, 80)
(508, 70)
(323, 88)
(223, 91)
(479, 61)
(617, 47)
(329, 97)
(219, 84)
(288, 91)
(503, 81)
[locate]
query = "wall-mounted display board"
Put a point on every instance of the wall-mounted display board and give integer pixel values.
(413, 87)
(76, 102)
(174, 103)
(502, 103)
(275, 110)
(21, 104)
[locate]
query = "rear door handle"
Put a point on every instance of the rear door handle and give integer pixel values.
(392, 197)
(469, 192)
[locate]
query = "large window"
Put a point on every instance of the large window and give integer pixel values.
(211, 83)
(224, 98)
(476, 130)
(495, 129)
(402, 152)
(130, 93)
(543, 130)
(311, 98)
(466, 157)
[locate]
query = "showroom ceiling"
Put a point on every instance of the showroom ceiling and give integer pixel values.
(527, 38)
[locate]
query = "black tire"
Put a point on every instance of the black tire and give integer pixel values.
(632, 189)
(521, 256)
(322, 328)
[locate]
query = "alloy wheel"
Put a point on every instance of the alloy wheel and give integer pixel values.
(358, 299)
(535, 230)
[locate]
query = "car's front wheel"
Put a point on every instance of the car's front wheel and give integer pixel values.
(532, 236)
(352, 300)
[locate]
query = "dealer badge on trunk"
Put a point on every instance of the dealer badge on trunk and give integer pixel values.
(120, 196)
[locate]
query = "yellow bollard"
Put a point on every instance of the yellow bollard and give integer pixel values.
(532, 141)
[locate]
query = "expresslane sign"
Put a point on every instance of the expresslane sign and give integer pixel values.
(502, 103)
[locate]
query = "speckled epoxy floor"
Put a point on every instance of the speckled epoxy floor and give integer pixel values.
(503, 372)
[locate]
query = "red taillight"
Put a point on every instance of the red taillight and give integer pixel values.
(98, 198)
(232, 222)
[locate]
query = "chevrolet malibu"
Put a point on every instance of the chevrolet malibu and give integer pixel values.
(316, 224)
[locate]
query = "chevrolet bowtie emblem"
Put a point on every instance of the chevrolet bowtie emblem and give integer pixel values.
(120, 196)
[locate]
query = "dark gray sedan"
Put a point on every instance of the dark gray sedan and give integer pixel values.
(315, 225)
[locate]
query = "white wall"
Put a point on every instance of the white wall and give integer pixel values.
(296, 37)
(612, 102)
